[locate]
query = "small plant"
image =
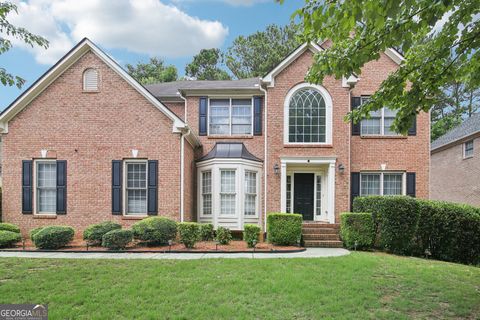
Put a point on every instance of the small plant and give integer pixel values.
(53, 237)
(357, 229)
(155, 230)
(189, 233)
(94, 233)
(9, 238)
(284, 228)
(35, 231)
(206, 232)
(9, 227)
(224, 236)
(250, 234)
(117, 239)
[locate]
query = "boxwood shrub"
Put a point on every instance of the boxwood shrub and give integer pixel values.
(93, 234)
(206, 232)
(9, 227)
(223, 235)
(189, 233)
(9, 238)
(35, 231)
(357, 228)
(53, 237)
(155, 230)
(284, 228)
(250, 234)
(117, 239)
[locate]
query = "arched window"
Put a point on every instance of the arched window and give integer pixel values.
(90, 80)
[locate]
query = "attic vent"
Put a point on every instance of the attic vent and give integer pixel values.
(90, 80)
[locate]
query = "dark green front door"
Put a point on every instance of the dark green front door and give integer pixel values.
(303, 194)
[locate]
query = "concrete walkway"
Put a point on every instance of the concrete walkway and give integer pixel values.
(309, 253)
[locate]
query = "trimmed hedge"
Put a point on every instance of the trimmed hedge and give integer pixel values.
(357, 228)
(93, 234)
(284, 228)
(53, 237)
(206, 232)
(35, 231)
(155, 230)
(117, 239)
(189, 233)
(9, 227)
(224, 235)
(9, 238)
(250, 234)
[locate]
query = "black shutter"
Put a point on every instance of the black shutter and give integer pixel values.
(202, 119)
(411, 182)
(117, 187)
(152, 187)
(355, 187)
(412, 131)
(355, 103)
(61, 187)
(257, 116)
(27, 187)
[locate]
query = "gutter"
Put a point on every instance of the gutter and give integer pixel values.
(265, 160)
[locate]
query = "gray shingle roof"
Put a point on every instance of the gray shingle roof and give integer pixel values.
(229, 150)
(170, 89)
(467, 128)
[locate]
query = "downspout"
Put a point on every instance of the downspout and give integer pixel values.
(182, 174)
(185, 106)
(265, 161)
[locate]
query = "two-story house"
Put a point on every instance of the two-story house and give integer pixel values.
(87, 143)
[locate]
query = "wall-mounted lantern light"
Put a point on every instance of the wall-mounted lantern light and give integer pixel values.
(341, 168)
(276, 169)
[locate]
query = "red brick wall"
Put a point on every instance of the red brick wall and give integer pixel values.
(177, 107)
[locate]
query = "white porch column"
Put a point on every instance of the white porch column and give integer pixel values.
(331, 192)
(283, 187)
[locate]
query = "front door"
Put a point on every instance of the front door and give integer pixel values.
(303, 194)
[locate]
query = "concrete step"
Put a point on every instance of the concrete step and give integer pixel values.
(321, 237)
(320, 225)
(323, 244)
(320, 231)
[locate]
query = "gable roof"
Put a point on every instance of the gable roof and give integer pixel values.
(467, 128)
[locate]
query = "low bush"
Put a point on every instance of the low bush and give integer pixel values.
(189, 233)
(35, 231)
(9, 238)
(284, 228)
(357, 228)
(223, 235)
(93, 234)
(155, 230)
(206, 232)
(117, 239)
(250, 234)
(53, 237)
(9, 227)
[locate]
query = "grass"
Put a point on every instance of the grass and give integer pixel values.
(358, 286)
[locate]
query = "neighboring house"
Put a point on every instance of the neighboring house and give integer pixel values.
(87, 143)
(455, 164)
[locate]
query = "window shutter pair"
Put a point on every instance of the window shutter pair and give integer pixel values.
(152, 188)
(27, 187)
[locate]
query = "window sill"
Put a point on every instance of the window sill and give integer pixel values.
(308, 145)
(91, 91)
(44, 216)
(469, 157)
(134, 217)
(383, 137)
(230, 137)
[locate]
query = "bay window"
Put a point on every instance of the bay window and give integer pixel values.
(207, 192)
(382, 183)
(250, 193)
(230, 116)
(227, 192)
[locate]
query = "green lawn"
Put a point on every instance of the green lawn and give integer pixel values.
(358, 286)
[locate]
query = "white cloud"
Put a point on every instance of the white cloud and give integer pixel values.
(141, 26)
(244, 2)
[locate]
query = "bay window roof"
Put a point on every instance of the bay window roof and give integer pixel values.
(229, 150)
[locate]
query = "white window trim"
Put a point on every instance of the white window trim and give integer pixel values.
(200, 201)
(230, 116)
(382, 124)
(124, 187)
(35, 193)
(404, 180)
(256, 193)
(236, 193)
(464, 148)
(328, 114)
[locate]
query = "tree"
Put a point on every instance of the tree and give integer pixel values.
(152, 72)
(206, 66)
(439, 39)
(257, 54)
(11, 31)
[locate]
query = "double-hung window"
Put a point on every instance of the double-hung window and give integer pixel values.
(379, 123)
(46, 179)
(381, 183)
(136, 187)
(250, 193)
(468, 149)
(207, 193)
(227, 192)
(230, 117)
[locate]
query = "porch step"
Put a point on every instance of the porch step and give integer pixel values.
(319, 231)
(321, 237)
(324, 243)
(320, 225)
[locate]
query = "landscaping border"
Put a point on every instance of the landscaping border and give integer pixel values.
(158, 251)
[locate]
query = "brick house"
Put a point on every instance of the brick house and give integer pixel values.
(455, 164)
(87, 143)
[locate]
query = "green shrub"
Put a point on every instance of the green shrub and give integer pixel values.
(284, 228)
(9, 227)
(9, 238)
(206, 232)
(357, 228)
(155, 230)
(250, 234)
(35, 231)
(53, 237)
(117, 239)
(94, 233)
(189, 233)
(224, 236)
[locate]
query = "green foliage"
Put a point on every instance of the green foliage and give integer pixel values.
(284, 228)
(117, 239)
(93, 234)
(206, 66)
(53, 237)
(9, 238)
(9, 227)
(155, 230)
(223, 235)
(437, 49)
(189, 233)
(35, 231)
(250, 234)
(206, 232)
(257, 54)
(154, 71)
(357, 228)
